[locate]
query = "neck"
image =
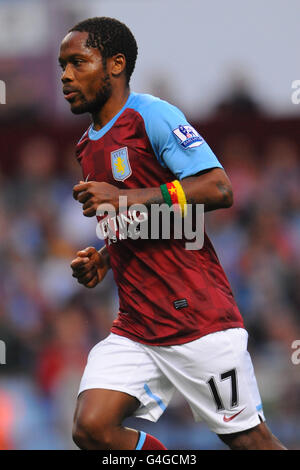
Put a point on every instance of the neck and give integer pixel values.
(113, 105)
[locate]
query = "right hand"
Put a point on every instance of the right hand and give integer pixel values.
(89, 267)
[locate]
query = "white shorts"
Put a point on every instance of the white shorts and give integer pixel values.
(213, 373)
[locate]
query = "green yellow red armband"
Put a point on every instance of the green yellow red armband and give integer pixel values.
(173, 193)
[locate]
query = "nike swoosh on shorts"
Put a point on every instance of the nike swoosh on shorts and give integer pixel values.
(232, 417)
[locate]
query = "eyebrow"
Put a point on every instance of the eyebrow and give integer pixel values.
(71, 57)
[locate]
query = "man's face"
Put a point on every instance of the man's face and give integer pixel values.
(86, 82)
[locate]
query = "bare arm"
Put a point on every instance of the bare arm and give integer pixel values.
(211, 188)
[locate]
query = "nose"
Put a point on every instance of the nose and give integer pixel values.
(67, 74)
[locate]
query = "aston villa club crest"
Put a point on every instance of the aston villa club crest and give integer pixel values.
(120, 165)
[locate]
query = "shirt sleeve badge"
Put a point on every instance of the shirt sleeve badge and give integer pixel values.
(188, 137)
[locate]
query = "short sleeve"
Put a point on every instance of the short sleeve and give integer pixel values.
(176, 144)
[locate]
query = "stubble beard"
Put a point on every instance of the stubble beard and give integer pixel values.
(98, 102)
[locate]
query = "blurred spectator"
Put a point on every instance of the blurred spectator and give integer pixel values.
(239, 99)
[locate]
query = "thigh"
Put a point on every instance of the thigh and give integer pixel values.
(118, 364)
(104, 406)
(98, 420)
(215, 375)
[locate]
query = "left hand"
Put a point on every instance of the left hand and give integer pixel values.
(92, 193)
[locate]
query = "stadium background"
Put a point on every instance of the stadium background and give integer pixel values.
(230, 68)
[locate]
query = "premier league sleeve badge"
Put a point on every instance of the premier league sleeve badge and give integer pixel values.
(188, 137)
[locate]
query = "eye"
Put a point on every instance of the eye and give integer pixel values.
(77, 62)
(61, 66)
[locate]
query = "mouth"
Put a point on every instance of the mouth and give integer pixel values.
(69, 94)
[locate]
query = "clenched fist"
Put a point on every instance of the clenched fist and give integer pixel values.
(92, 194)
(90, 266)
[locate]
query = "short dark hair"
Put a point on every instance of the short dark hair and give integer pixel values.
(111, 37)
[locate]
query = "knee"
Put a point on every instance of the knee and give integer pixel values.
(258, 438)
(241, 443)
(89, 434)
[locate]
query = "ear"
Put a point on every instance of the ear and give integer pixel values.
(118, 64)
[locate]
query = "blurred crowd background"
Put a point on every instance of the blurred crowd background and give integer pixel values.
(49, 322)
